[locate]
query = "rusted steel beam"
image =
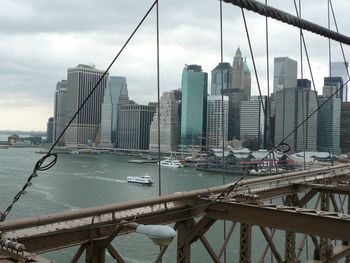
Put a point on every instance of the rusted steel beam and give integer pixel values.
(78, 254)
(76, 214)
(114, 253)
(183, 244)
(200, 228)
(245, 243)
(210, 250)
(330, 188)
(271, 244)
(161, 254)
(229, 234)
(300, 221)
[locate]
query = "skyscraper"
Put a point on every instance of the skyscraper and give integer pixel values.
(194, 105)
(217, 121)
(253, 121)
(60, 110)
(328, 125)
(134, 126)
(169, 124)
(241, 78)
(216, 78)
(340, 69)
(332, 85)
(106, 118)
(85, 127)
(117, 85)
(293, 106)
(49, 130)
(345, 127)
(285, 73)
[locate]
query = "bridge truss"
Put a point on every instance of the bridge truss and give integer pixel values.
(247, 204)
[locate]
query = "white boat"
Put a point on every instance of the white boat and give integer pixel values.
(140, 179)
(171, 163)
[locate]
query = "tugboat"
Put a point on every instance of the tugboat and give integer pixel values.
(140, 179)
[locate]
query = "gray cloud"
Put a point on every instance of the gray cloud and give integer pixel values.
(40, 39)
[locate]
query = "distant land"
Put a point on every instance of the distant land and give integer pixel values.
(34, 133)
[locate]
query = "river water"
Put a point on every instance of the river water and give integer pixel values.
(80, 181)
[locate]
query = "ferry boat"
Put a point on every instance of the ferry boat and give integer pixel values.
(171, 163)
(140, 179)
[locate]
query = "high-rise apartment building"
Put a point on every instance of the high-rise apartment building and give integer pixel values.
(345, 127)
(134, 123)
(217, 120)
(292, 107)
(86, 125)
(340, 69)
(169, 124)
(328, 125)
(222, 73)
(285, 73)
(194, 105)
(60, 110)
(49, 130)
(253, 121)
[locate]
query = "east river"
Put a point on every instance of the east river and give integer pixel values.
(80, 181)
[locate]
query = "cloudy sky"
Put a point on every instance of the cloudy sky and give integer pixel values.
(40, 39)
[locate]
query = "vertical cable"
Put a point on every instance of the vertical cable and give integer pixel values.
(222, 111)
(302, 91)
(158, 100)
(329, 40)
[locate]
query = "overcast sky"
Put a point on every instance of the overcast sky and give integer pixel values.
(40, 39)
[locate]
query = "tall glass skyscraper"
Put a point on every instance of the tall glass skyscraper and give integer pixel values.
(217, 79)
(284, 73)
(340, 69)
(194, 105)
(116, 84)
(328, 125)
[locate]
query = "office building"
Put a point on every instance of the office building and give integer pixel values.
(328, 125)
(217, 121)
(284, 73)
(340, 69)
(106, 119)
(85, 128)
(345, 127)
(253, 121)
(333, 85)
(60, 111)
(117, 85)
(241, 78)
(194, 105)
(169, 124)
(134, 123)
(222, 73)
(49, 130)
(292, 107)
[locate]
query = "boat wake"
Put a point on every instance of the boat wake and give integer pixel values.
(104, 179)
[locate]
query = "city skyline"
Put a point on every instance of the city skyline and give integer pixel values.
(41, 48)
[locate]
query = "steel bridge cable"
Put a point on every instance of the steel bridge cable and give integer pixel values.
(340, 43)
(158, 100)
(302, 38)
(222, 113)
(40, 165)
(285, 17)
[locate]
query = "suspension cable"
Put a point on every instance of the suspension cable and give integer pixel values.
(158, 100)
(40, 165)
